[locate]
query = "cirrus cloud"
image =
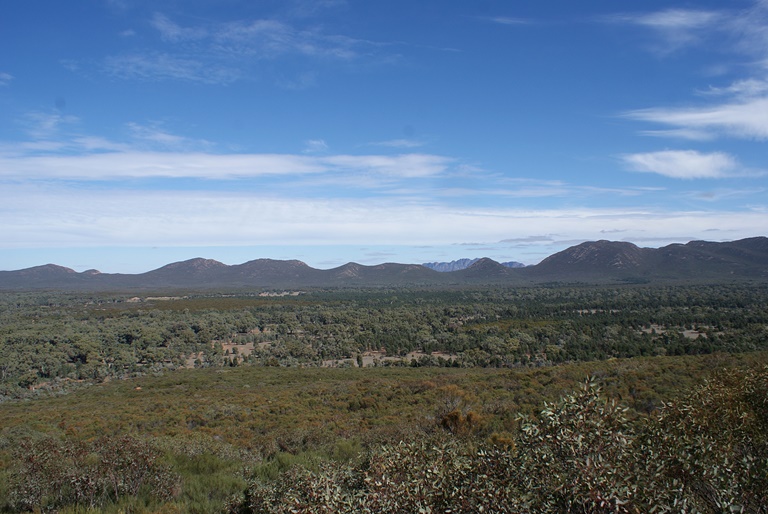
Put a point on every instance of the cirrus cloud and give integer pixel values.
(743, 113)
(199, 165)
(59, 216)
(683, 164)
(746, 119)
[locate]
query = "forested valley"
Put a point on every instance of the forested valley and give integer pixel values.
(539, 399)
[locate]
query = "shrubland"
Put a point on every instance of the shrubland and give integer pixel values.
(202, 440)
(627, 399)
(582, 454)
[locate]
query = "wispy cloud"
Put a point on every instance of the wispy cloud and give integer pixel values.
(721, 194)
(399, 143)
(315, 146)
(736, 110)
(683, 164)
(268, 38)
(506, 20)
(303, 80)
(45, 125)
(537, 239)
(160, 66)
(405, 165)
(50, 217)
(223, 52)
(746, 119)
(173, 32)
(58, 216)
(308, 8)
(143, 164)
(5, 78)
(676, 28)
(747, 88)
(529, 188)
(677, 19)
(155, 136)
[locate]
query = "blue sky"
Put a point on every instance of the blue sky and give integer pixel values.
(135, 133)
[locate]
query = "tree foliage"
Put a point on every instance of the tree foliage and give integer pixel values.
(52, 341)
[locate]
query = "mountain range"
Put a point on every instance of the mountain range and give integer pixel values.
(594, 262)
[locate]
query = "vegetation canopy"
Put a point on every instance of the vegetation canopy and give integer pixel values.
(387, 400)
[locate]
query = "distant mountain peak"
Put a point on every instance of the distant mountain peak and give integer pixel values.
(348, 270)
(50, 269)
(485, 267)
(617, 255)
(197, 263)
(461, 264)
(294, 263)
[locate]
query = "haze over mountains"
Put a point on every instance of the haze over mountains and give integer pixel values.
(590, 262)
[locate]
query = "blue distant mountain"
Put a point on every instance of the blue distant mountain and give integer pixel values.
(464, 264)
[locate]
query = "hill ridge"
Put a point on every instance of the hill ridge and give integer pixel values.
(599, 261)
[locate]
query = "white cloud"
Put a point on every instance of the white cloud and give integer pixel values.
(683, 164)
(690, 134)
(45, 125)
(721, 194)
(269, 38)
(5, 78)
(399, 143)
(221, 53)
(97, 144)
(307, 8)
(751, 87)
(259, 38)
(743, 119)
(315, 146)
(751, 29)
(63, 217)
(138, 164)
(170, 31)
(535, 239)
(300, 82)
(154, 136)
(676, 28)
(135, 164)
(744, 111)
(676, 19)
(487, 187)
(506, 20)
(405, 165)
(160, 66)
(20, 151)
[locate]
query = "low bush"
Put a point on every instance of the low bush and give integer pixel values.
(706, 453)
(53, 473)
